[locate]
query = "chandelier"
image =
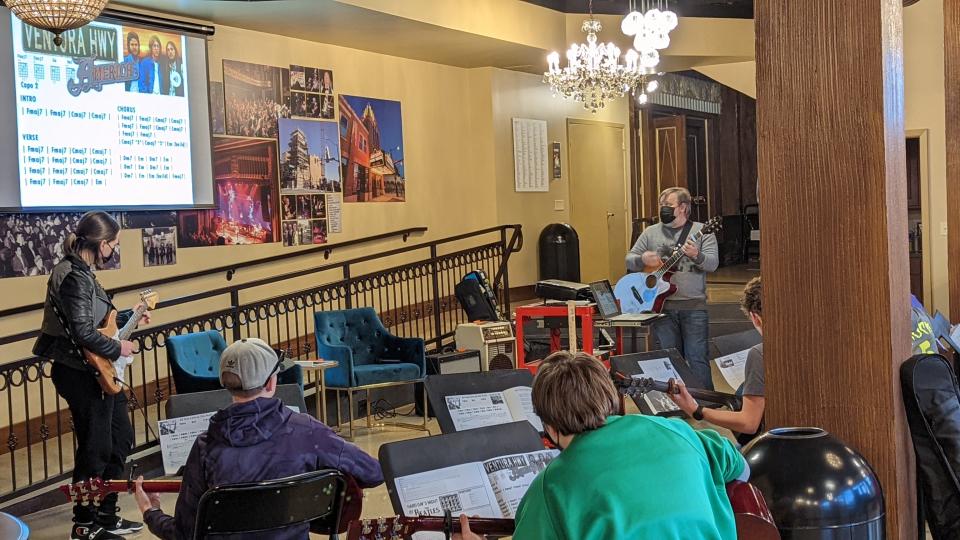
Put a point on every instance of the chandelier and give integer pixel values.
(650, 29)
(594, 73)
(57, 16)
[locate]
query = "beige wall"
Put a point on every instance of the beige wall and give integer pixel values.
(925, 110)
(516, 95)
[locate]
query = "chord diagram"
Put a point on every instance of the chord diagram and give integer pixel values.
(39, 72)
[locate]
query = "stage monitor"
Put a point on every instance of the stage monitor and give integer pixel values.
(116, 117)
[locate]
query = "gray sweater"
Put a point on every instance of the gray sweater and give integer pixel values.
(690, 277)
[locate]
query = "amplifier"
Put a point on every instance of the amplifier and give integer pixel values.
(444, 364)
(494, 340)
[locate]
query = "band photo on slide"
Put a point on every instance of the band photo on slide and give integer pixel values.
(160, 61)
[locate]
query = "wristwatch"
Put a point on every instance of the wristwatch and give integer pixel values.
(698, 414)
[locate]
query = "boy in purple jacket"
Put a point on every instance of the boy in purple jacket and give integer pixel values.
(256, 438)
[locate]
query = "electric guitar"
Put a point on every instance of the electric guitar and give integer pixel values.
(95, 489)
(110, 374)
(646, 291)
(753, 518)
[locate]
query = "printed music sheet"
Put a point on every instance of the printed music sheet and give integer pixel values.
(660, 369)
(530, 161)
(733, 367)
(176, 439)
(471, 411)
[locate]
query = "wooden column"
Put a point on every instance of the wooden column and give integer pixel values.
(951, 59)
(834, 220)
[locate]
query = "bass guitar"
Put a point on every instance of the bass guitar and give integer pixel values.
(646, 291)
(95, 489)
(753, 518)
(110, 374)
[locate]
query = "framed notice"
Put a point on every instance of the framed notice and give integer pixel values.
(530, 160)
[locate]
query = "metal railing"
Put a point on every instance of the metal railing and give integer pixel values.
(414, 298)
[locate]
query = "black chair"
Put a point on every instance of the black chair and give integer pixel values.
(932, 402)
(213, 400)
(317, 497)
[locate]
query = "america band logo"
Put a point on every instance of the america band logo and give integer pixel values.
(93, 76)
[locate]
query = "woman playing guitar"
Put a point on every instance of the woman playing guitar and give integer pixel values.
(74, 309)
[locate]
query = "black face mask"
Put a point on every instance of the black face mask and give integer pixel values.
(666, 214)
(553, 442)
(113, 251)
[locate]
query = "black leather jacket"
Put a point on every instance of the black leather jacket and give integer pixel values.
(85, 305)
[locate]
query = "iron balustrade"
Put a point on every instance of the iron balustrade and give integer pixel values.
(414, 299)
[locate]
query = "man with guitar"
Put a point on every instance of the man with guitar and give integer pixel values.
(75, 307)
(256, 438)
(685, 326)
(749, 418)
(621, 476)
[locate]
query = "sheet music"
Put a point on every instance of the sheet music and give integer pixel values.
(660, 369)
(462, 489)
(530, 162)
(511, 476)
(177, 436)
(471, 411)
(733, 367)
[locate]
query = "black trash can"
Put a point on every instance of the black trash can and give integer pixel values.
(559, 250)
(816, 486)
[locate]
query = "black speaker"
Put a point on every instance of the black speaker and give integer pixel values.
(476, 297)
(443, 364)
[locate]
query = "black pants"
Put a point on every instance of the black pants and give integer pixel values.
(103, 431)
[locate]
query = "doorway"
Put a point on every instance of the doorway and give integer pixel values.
(918, 217)
(598, 202)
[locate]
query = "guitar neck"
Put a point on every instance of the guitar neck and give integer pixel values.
(481, 526)
(677, 255)
(646, 385)
(131, 325)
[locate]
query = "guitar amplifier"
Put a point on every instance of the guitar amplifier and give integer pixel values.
(445, 364)
(555, 289)
(494, 340)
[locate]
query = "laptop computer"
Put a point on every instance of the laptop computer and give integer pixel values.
(610, 310)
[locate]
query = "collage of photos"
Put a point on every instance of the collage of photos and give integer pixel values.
(255, 97)
(371, 150)
(32, 244)
(304, 219)
(160, 61)
(159, 246)
(311, 93)
(218, 125)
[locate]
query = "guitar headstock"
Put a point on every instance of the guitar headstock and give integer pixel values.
(149, 297)
(385, 528)
(633, 386)
(713, 225)
(91, 490)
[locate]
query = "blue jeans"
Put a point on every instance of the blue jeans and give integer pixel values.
(688, 332)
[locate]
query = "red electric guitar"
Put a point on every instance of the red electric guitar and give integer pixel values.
(95, 489)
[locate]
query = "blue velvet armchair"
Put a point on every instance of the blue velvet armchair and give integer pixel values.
(366, 351)
(195, 362)
(367, 355)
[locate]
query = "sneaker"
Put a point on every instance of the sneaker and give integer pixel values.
(115, 524)
(91, 531)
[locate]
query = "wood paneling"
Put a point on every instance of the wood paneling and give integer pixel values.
(835, 263)
(738, 151)
(951, 57)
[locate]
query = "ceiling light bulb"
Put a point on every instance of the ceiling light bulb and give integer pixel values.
(642, 99)
(652, 86)
(631, 23)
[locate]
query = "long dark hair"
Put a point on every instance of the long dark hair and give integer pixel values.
(94, 227)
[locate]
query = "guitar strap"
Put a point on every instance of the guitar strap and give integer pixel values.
(684, 233)
(55, 306)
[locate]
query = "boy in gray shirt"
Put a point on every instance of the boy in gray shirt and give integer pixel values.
(685, 326)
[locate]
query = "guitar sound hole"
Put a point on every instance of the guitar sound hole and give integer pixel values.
(651, 281)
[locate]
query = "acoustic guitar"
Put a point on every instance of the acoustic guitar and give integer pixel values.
(110, 374)
(95, 489)
(753, 518)
(645, 291)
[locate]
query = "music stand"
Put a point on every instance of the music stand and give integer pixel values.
(732, 343)
(458, 384)
(403, 458)
(627, 365)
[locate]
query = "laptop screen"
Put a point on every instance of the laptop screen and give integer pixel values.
(606, 302)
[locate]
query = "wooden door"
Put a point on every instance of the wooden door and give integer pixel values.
(598, 202)
(698, 168)
(670, 152)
